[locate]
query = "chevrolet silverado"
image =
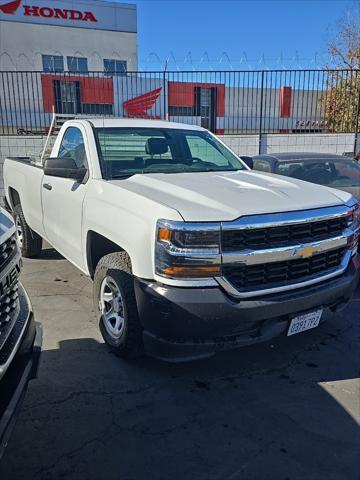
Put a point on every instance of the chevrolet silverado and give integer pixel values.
(189, 250)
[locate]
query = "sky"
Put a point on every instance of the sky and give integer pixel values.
(236, 33)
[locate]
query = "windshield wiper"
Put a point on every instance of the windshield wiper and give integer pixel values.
(121, 176)
(217, 170)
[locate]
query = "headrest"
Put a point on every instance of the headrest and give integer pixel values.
(156, 146)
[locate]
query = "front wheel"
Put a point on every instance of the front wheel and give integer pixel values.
(30, 242)
(115, 305)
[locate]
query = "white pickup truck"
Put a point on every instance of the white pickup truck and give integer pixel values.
(190, 251)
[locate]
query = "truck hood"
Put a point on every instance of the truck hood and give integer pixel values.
(216, 196)
(355, 191)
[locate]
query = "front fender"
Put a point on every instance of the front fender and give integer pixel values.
(128, 220)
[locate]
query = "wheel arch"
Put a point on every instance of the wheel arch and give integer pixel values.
(14, 197)
(97, 246)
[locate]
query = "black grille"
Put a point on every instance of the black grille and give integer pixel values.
(272, 274)
(8, 304)
(272, 237)
(9, 307)
(7, 250)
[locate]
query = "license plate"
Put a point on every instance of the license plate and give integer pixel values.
(304, 322)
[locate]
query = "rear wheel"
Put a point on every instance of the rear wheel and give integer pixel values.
(30, 242)
(115, 305)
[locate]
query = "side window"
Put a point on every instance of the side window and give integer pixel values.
(347, 170)
(72, 146)
(262, 166)
(204, 151)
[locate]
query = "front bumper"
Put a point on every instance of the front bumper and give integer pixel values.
(22, 369)
(182, 324)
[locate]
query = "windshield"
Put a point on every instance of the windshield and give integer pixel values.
(126, 151)
(333, 173)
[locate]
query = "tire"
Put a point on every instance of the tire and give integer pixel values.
(113, 276)
(30, 242)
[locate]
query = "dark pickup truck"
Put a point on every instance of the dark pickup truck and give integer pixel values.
(20, 335)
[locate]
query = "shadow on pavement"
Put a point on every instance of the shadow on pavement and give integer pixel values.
(272, 411)
(50, 254)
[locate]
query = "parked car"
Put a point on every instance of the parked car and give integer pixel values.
(189, 250)
(355, 155)
(20, 336)
(335, 171)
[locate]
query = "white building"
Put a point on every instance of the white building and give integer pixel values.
(48, 48)
(67, 35)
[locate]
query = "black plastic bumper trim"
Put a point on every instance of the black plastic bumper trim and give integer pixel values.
(182, 324)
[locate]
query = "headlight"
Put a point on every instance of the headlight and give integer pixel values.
(354, 223)
(356, 218)
(187, 250)
(353, 216)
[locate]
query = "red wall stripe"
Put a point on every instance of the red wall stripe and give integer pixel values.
(285, 102)
(93, 90)
(182, 94)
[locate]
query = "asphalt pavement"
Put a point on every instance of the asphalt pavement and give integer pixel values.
(284, 410)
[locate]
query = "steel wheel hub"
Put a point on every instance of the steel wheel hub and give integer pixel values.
(111, 306)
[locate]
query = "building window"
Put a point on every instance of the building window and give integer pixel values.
(181, 111)
(52, 63)
(96, 109)
(116, 68)
(77, 65)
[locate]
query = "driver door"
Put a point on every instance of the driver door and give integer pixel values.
(62, 200)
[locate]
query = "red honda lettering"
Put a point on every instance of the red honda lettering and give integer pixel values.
(63, 14)
(59, 13)
(89, 17)
(31, 11)
(46, 12)
(75, 15)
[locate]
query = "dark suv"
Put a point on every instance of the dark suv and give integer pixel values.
(20, 336)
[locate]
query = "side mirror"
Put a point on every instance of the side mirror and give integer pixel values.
(249, 161)
(64, 168)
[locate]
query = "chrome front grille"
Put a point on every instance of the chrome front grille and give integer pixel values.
(264, 254)
(268, 275)
(262, 238)
(7, 251)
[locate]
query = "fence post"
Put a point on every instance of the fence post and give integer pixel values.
(164, 96)
(357, 134)
(261, 110)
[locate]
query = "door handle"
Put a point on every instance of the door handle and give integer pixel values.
(47, 186)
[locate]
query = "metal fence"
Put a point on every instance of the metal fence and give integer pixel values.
(226, 102)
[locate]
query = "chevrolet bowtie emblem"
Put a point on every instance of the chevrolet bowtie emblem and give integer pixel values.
(305, 252)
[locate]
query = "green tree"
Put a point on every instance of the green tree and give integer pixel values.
(342, 97)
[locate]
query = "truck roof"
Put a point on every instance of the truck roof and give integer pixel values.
(138, 123)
